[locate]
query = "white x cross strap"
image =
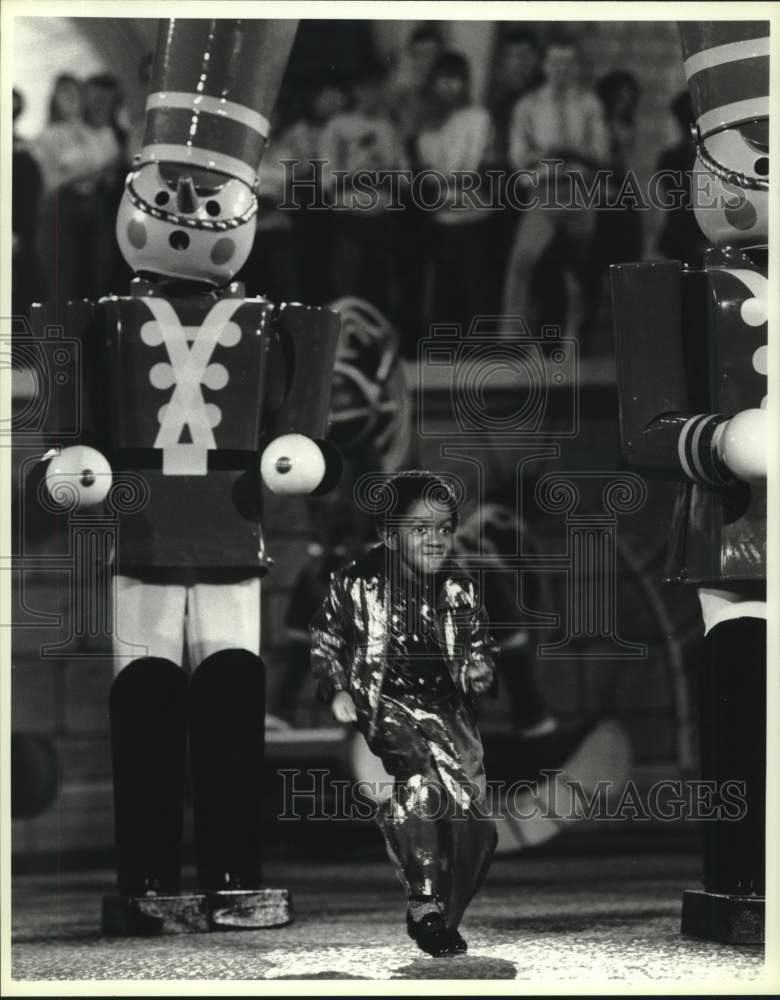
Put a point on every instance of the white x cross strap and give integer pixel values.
(188, 369)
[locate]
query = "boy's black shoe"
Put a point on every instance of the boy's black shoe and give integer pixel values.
(432, 935)
(460, 943)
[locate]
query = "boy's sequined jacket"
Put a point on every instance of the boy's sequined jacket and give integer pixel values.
(361, 627)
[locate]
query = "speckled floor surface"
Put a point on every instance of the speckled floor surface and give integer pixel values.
(580, 921)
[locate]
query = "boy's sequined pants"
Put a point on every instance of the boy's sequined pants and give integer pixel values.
(437, 839)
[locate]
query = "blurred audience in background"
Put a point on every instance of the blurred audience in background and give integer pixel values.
(312, 226)
(137, 118)
(517, 71)
(618, 233)
(410, 97)
(458, 137)
(26, 193)
(273, 268)
(411, 108)
(562, 120)
(681, 238)
(423, 263)
(362, 140)
(80, 153)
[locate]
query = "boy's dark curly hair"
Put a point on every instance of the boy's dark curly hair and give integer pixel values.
(408, 488)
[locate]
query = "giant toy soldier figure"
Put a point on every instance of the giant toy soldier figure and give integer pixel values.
(692, 366)
(195, 391)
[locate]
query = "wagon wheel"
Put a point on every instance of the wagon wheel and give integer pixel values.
(370, 408)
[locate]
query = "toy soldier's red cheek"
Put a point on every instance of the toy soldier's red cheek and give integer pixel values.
(222, 250)
(743, 217)
(136, 234)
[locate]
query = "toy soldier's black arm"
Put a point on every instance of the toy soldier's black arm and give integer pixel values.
(667, 427)
(66, 376)
(301, 371)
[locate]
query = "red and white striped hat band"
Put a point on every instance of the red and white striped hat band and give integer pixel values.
(204, 131)
(727, 67)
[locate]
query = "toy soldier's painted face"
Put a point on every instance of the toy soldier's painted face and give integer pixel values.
(185, 222)
(733, 211)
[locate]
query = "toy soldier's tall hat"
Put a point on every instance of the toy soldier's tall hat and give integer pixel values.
(727, 68)
(213, 84)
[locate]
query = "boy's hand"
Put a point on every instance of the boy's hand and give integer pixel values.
(480, 675)
(343, 707)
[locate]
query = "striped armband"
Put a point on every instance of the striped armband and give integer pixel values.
(697, 452)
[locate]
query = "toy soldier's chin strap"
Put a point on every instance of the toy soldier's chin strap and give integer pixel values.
(725, 173)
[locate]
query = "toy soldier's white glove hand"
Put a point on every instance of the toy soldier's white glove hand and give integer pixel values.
(78, 477)
(742, 445)
(293, 464)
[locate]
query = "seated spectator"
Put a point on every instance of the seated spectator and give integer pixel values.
(561, 120)
(458, 139)
(411, 105)
(518, 71)
(359, 142)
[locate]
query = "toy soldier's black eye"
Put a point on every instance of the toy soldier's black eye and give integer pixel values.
(761, 166)
(162, 198)
(212, 207)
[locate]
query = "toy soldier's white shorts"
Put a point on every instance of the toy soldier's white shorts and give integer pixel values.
(154, 619)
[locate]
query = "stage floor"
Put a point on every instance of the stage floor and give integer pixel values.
(580, 921)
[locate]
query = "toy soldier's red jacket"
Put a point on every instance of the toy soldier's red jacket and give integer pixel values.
(691, 349)
(186, 391)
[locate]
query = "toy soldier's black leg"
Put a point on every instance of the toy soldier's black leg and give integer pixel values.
(733, 750)
(148, 712)
(148, 731)
(227, 744)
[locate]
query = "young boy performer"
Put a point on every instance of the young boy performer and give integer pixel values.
(400, 647)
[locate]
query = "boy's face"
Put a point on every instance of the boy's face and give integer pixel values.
(424, 537)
